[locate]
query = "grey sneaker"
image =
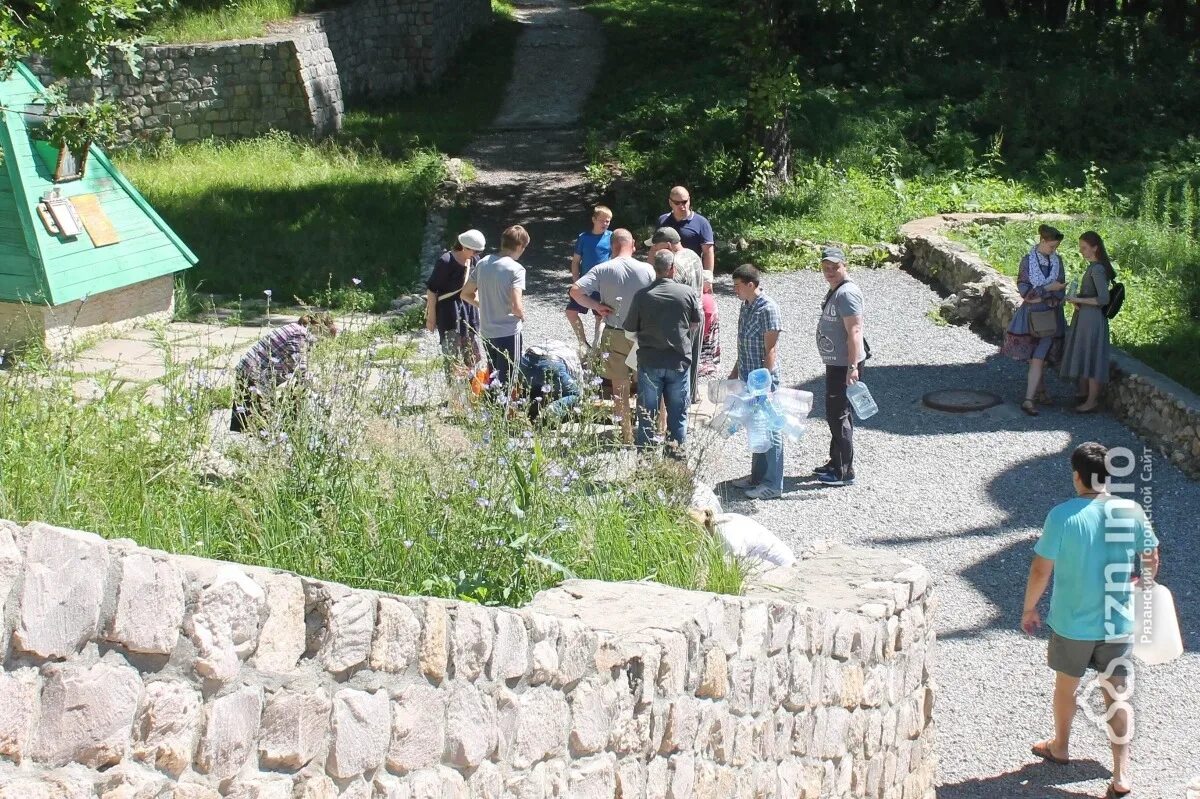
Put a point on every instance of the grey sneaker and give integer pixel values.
(743, 482)
(763, 492)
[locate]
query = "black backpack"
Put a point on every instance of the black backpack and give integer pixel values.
(1116, 298)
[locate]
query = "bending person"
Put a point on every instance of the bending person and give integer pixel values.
(550, 375)
(279, 356)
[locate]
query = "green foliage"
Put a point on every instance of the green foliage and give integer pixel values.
(287, 214)
(75, 35)
(78, 126)
(219, 21)
(359, 486)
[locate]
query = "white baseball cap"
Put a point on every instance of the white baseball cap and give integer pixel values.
(472, 240)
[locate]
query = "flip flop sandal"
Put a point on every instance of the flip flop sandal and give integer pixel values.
(1044, 753)
(1113, 793)
(1029, 408)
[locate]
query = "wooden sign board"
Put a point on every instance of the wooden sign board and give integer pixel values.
(95, 221)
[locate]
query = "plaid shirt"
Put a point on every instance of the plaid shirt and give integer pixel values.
(754, 320)
(276, 356)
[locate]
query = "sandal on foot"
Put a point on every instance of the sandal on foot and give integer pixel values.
(1029, 408)
(1042, 750)
(1083, 410)
(1042, 398)
(1113, 793)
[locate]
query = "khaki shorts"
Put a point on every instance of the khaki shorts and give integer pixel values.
(614, 349)
(1072, 657)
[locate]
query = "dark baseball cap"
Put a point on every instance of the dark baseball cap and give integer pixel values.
(833, 254)
(664, 235)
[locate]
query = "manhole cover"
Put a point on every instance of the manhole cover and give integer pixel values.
(960, 400)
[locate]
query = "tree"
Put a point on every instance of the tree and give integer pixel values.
(76, 36)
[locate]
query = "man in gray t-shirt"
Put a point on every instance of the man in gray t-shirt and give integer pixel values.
(615, 281)
(842, 347)
(497, 288)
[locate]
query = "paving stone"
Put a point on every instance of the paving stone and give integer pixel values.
(294, 725)
(470, 725)
(593, 778)
(510, 653)
(225, 622)
(362, 727)
(86, 714)
(397, 636)
(435, 651)
(231, 732)
(150, 605)
(418, 728)
(65, 577)
(473, 636)
(167, 726)
(282, 639)
(535, 725)
(714, 680)
(19, 694)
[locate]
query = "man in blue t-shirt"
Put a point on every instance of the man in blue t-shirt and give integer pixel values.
(591, 247)
(1089, 545)
(694, 230)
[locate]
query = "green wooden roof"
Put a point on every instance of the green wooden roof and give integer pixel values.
(36, 266)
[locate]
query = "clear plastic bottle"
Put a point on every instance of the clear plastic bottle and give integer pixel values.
(861, 400)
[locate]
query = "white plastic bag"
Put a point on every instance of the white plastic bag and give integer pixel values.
(745, 538)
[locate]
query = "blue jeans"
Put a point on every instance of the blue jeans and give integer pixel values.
(766, 468)
(549, 383)
(653, 385)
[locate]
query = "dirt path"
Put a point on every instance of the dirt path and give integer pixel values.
(530, 161)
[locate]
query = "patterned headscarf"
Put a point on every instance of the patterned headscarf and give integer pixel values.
(1037, 278)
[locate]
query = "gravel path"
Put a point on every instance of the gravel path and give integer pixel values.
(965, 495)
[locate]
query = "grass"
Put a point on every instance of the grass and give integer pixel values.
(245, 19)
(305, 219)
(1160, 321)
(446, 116)
(360, 486)
(293, 216)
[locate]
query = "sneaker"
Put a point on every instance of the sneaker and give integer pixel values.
(832, 479)
(743, 482)
(825, 468)
(762, 492)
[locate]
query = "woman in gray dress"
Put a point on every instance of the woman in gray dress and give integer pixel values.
(1041, 280)
(1085, 353)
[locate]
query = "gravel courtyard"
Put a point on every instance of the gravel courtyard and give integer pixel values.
(965, 495)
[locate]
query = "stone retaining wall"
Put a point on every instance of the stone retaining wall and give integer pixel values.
(132, 673)
(294, 80)
(1151, 404)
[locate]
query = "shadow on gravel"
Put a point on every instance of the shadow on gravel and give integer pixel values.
(1034, 780)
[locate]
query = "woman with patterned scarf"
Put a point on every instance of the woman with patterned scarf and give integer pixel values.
(1037, 328)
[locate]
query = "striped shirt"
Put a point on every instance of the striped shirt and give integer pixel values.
(277, 355)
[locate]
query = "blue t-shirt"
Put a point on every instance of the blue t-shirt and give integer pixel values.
(1094, 544)
(694, 232)
(593, 248)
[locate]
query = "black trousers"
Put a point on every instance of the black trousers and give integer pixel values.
(840, 419)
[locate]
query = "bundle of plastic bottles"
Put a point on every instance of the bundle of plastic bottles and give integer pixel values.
(761, 411)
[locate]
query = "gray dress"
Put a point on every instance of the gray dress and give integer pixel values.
(1086, 350)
